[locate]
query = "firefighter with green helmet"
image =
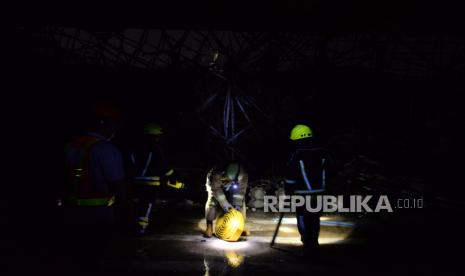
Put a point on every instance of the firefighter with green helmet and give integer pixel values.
(150, 172)
(299, 132)
(306, 174)
(226, 187)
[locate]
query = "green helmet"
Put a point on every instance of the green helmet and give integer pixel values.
(301, 132)
(234, 171)
(153, 129)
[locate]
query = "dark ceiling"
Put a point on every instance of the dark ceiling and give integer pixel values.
(314, 16)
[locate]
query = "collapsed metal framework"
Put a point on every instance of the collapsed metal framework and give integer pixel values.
(254, 51)
(229, 111)
(224, 53)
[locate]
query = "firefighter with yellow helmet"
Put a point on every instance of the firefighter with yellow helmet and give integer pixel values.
(306, 174)
(226, 187)
(149, 172)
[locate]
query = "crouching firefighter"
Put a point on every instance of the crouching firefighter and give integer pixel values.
(306, 175)
(150, 173)
(226, 187)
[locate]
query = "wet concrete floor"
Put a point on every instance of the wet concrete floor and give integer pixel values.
(177, 246)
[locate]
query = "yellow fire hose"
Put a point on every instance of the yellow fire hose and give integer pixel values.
(229, 226)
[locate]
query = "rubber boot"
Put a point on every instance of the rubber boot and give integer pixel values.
(209, 231)
(143, 225)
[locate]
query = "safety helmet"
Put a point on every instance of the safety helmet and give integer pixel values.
(105, 114)
(301, 132)
(234, 172)
(230, 226)
(107, 110)
(153, 129)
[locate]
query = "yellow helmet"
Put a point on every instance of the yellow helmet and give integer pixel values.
(301, 132)
(153, 129)
(230, 226)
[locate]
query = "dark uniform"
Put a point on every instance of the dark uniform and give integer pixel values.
(150, 173)
(306, 175)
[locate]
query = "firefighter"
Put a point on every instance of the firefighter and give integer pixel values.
(95, 182)
(150, 173)
(226, 187)
(306, 175)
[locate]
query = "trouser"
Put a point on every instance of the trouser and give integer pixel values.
(213, 209)
(308, 224)
(86, 235)
(146, 196)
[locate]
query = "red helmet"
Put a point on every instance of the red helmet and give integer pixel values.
(107, 110)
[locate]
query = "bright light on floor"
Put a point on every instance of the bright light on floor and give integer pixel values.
(293, 220)
(296, 240)
(287, 229)
(331, 240)
(288, 221)
(220, 244)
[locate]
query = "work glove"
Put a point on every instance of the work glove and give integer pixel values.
(227, 208)
(238, 208)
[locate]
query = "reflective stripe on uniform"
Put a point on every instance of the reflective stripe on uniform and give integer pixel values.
(307, 181)
(289, 181)
(211, 201)
(170, 172)
(147, 180)
(147, 212)
(304, 175)
(148, 183)
(222, 200)
(103, 201)
(143, 221)
(147, 163)
(323, 173)
(304, 192)
(237, 199)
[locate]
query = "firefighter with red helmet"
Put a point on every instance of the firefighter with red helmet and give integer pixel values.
(94, 184)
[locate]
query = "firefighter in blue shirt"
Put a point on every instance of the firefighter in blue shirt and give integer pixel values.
(95, 194)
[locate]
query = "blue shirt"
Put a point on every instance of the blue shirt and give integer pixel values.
(106, 163)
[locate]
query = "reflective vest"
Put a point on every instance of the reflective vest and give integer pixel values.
(143, 179)
(81, 190)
